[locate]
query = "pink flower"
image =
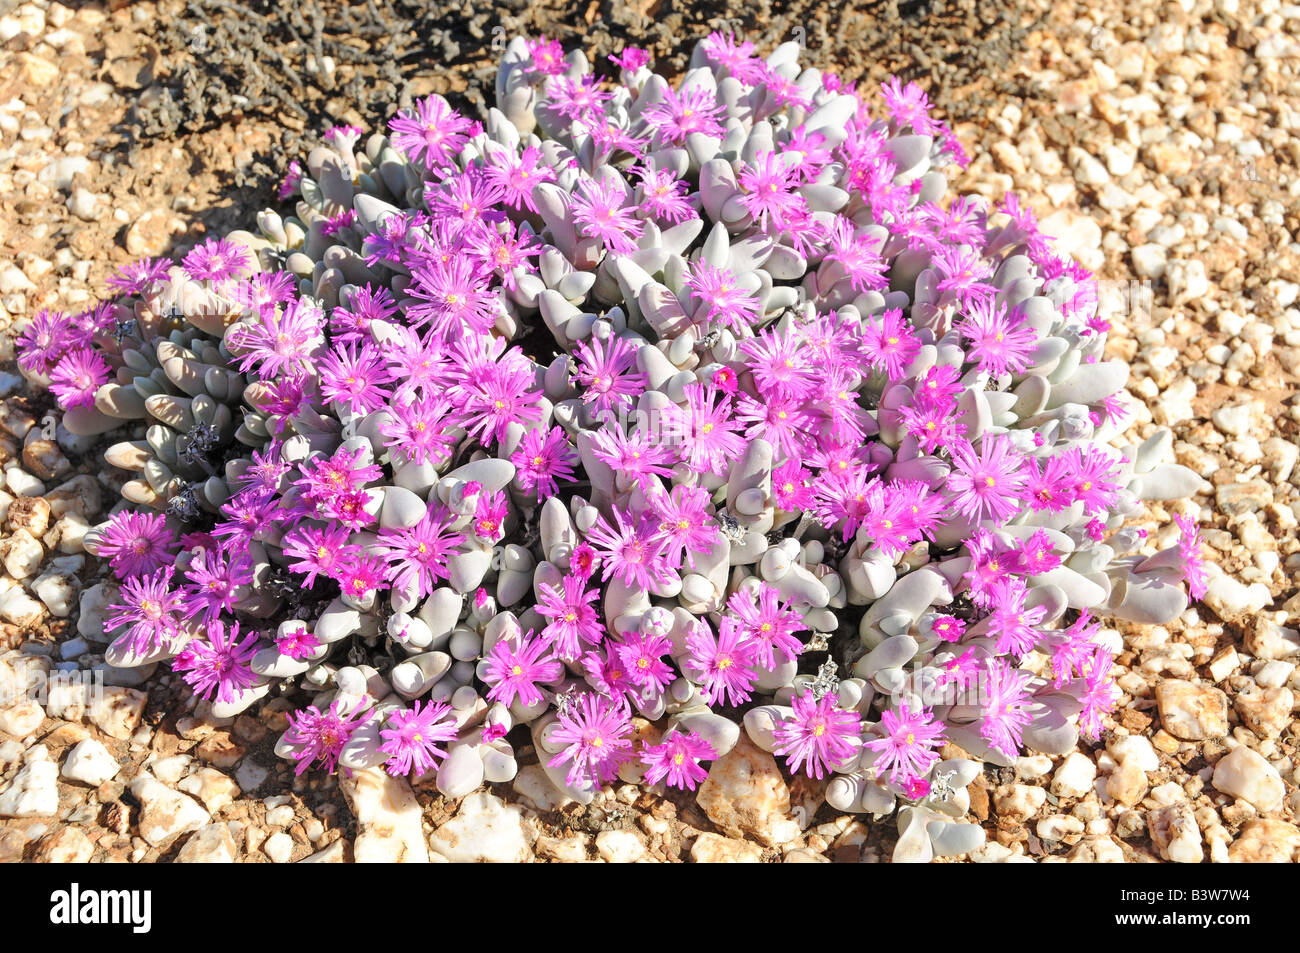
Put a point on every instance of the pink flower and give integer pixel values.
(419, 553)
(595, 731)
(1192, 555)
(723, 666)
(642, 656)
(220, 664)
(677, 760)
(77, 377)
(412, 736)
(135, 544)
(573, 620)
(818, 736)
(987, 485)
(601, 212)
(769, 624)
(541, 458)
(316, 736)
(1006, 700)
(609, 373)
(514, 671)
(907, 749)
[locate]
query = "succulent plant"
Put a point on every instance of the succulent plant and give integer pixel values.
(699, 406)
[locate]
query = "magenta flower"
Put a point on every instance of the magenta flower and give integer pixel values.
(705, 432)
(609, 373)
(1192, 555)
(433, 134)
(987, 485)
(601, 212)
(411, 737)
(140, 275)
(769, 624)
(1000, 341)
(818, 737)
(150, 609)
(418, 554)
(418, 430)
(45, 340)
(663, 196)
(677, 116)
(77, 377)
(791, 488)
(685, 523)
(297, 643)
(218, 667)
(135, 544)
(213, 581)
(319, 552)
(315, 736)
(573, 619)
(677, 760)
(890, 344)
(949, 628)
(638, 456)
(631, 551)
(514, 671)
(1006, 700)
(217, 259)
(595, 731)
(723, 666)
(541, 458)
(779, 364)
(768, 193)
(1094, 474)
(731, 304)
(355, 377)
(1100, 694)
(642, 656)
(1011, 622)
(907, 749)
(1036, 556)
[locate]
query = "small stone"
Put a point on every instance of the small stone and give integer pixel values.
(29, 513)
(23, 554)
(745, 794)
(1135, 747)
(1265, 840)
(1127, 783)
(21, 720)
(1174, 833)
(58, 590)
(279, 847)
(485, 829)
(20, 609)
(1096, 850)
(1190, 711)
(90, 763)
(66, 845)
(45, 459)
(1224, 664)
(164, 813)
(1149, 260)
(620, 847)
(1245, 774)
(117, 711)
(1075, 776)
(210, 786)
(714, 849)
(210, 844)
(220, 750)
(250, 775)
(1232, 600)
(33, 792)
(1062, 828)
(84, 204)
(1266, 711)
(1017, 803)
(388, 818)
(151, 233)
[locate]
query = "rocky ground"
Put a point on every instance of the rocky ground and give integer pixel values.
(1160, 136)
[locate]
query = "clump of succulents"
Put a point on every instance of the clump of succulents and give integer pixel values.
(636, 415)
